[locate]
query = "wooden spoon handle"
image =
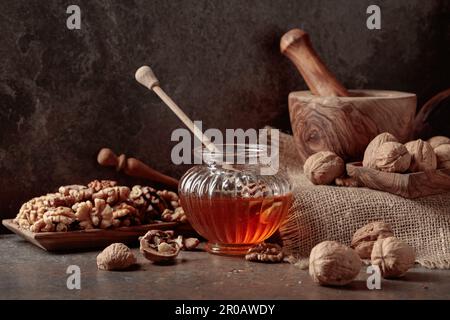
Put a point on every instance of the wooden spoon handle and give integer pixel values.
(145, 76)
(296, 45)
(134, 167)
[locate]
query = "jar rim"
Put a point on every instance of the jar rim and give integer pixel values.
(235, 152)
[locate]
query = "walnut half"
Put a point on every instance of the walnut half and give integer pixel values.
(159, 246)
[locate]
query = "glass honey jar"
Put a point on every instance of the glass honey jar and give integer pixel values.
(231, 201)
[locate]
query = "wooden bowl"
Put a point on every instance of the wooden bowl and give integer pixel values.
(407, 185)
(346, 125)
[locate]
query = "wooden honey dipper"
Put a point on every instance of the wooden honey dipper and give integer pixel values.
(145, 76)
(134, 167)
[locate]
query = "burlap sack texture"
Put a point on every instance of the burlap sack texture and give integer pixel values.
(322, 213)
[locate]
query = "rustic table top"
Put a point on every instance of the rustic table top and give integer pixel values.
(27, 272)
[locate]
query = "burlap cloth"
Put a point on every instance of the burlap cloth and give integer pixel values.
(323, 213)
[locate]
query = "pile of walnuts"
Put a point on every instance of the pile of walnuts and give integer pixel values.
(386, 153)
(99, 205)
(334, 264)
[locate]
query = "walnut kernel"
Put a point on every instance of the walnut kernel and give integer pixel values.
(174, 215)
(98, 185)
(265, 252)
(159, 246)
(113, 195)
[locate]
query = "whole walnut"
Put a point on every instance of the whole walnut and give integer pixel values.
(443, 156)
(334, 264)
(115, 257)
(422, 154)
(438, 140)
(371, 150)
(365, 237)
(394, 257)
(324, 167)
(392, 157)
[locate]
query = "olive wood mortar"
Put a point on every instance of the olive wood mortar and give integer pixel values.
(329, 117)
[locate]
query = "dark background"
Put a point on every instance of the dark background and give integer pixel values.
(65, 94)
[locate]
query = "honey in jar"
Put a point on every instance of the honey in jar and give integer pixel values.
(234, 207)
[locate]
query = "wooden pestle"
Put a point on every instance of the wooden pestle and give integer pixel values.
(296, 45)
(134, 167)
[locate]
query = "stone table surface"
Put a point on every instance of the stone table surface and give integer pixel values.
(28, 272)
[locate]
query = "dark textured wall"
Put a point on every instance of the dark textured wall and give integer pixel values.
(65, 94)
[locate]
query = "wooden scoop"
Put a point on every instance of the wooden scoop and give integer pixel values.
(296, 45)
(133, 167)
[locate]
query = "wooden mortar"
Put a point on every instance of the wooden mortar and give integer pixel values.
(330, 117)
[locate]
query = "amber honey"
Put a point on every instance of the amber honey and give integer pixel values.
(233, 224)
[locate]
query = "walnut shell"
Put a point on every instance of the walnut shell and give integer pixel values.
(334, 264)
(443, 156)
(371, 150)
(365, 237)
(422, 154)
(324, 167)
(438, 140)
(159, 246)
(115, 257)
(392, 157)
(394, 257)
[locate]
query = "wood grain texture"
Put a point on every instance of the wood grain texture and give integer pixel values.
(346, 125)
(433, 118)
(134, 167)
(296, 45)
(85, 239)
(407, 185)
